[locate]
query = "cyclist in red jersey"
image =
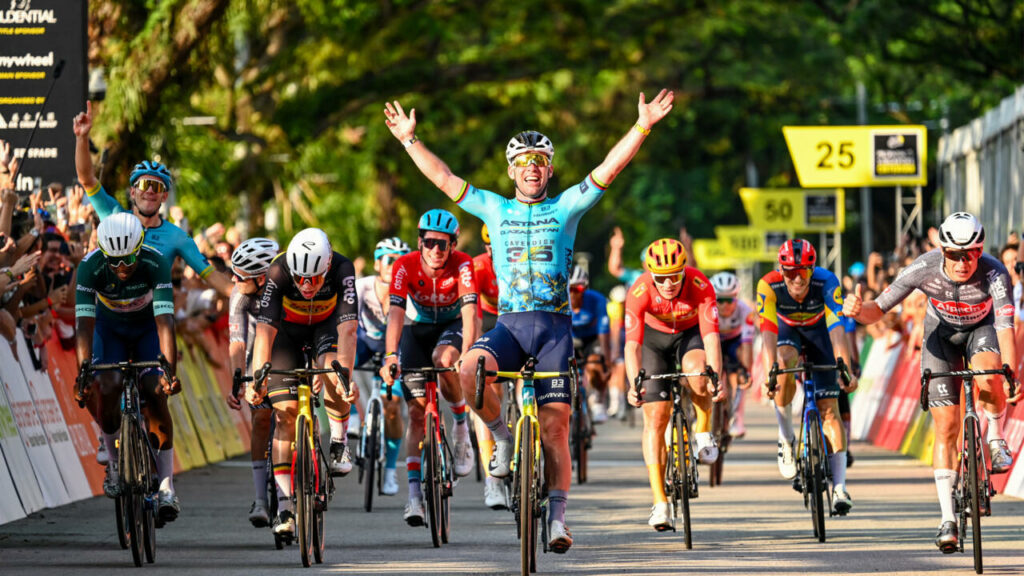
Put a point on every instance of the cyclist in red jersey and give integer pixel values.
(439, 281)
(671, 317)
(487, 283)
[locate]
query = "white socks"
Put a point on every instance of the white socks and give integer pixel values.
(944, 488)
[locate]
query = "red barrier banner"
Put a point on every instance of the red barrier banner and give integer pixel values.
(63, 369)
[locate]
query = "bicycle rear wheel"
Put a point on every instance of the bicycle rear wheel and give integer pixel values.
(304, 491)
(370, 458)
(816, 472)
(432, 480)
(527, 503)
(973, 491)
(682, 469)
(579, 446)
(120, 514)
(720, 419)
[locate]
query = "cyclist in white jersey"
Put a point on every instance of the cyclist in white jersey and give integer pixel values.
(532, 239)
(736, 326)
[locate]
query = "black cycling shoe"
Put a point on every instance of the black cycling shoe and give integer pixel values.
(947, 539)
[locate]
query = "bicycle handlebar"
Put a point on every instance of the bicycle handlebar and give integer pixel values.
(707, 373)
(927, 376)
(260, 376)
(806, 368)
(87, 369)
(527, 372)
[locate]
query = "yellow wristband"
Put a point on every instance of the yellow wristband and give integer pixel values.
(641, 129)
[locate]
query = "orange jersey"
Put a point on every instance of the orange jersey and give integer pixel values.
(694, 304)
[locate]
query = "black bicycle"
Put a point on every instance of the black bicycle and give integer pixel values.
(372, 443)
(681, 478)
(136, 503)
(973, 490)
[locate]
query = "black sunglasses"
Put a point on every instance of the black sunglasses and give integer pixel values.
(431, 243)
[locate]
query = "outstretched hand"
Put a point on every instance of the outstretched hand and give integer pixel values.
(853, 302)
(651, 112)
(402, 126)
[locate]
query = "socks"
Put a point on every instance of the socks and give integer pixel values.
(837, 462)
(391, 453)
(944, 487)
(165, 469)
(557, 500)
(259, 479)
(995, 426)
(283, 479)
(339, 425)
(785, 417)
(499, 430)
(412, 468)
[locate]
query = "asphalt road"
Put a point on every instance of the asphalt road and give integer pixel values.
(754, 524)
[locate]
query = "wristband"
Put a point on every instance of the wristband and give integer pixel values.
(390, 354)
(9, 273)
(410, 142)
(641, 129)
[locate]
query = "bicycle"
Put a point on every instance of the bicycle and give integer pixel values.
(312, 485)
(721, 420)
(436, 457)
(812, 464)
(136, 503)
(270, 490)
(527, 464)
(973, 490)
(681, 477)
(372, 444)
(580, 426)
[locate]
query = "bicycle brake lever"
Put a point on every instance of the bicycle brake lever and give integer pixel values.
(342, 373)
(393, 370)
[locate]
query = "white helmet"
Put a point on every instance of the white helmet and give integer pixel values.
(726, 285)
(253, 256)
(579, 276)
(961, 231)
(529, 141)
(120, 234)
(309, 253)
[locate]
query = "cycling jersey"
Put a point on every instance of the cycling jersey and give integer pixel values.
(532, 243)
(147, 293)
(486, 282)
(591, 320)
(167, 238)
(694, 304)
(739, 324)
(372, 319)
(335, 302)
(958, 306)
(824, 300)
(435, 300)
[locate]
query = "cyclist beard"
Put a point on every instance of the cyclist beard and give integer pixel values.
(144, 215)
(539, 195)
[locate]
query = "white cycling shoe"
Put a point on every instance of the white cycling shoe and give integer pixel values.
(660, 519)
(787, 463)
(560, 539)
(494, 494)
(465, 459)
(707, 452)
(390, 485)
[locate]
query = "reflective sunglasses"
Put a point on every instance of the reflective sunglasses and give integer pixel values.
(121, 261)
(388, 259)
(439, 243)
(793, 272)
(147, 185)
(672, 279)
(962, 255)
(240, 277)
(314, 282)
(578, 288)
(535, 158)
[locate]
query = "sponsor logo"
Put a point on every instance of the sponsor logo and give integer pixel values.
(639, 289)
(837, 295)
(447, 283)
(962, 310)
(699, 283)
(711, 313)
(539, 222)
(1006, 310)
(584, 187)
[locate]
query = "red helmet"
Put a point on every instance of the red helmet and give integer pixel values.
(797, 253)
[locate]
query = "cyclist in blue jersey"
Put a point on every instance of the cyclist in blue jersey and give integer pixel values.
(532, 237)
(150, 183)
(591, 338)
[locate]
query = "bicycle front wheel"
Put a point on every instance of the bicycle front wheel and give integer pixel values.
(370, 459)
(815, 454)
(432, 480)
(303, 474)
(527, 502)
(320, 478)
(720, 419)
(683, 472)
(974, 496)
(131, 486)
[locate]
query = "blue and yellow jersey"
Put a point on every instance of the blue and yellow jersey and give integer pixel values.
(823, 304)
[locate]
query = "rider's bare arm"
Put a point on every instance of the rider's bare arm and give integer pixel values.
(649, 113)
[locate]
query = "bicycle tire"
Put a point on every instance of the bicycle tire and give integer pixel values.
(319, 500)
(447, 484)
(149, 504)
(478, 466)
(817, 475)
(370, 459)
(431, 481)
(120, 513)
(129, 456)
(303, 495)
(579, 447)
(720, 418)
(974, 493)
(683, 469)
(527, 518)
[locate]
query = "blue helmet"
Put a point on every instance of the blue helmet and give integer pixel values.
(393, 245)
(151, 168)
(438, 220)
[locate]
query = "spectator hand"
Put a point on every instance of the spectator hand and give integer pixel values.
(26, 263)
(76, 252)
(5, 155)
(10, 197)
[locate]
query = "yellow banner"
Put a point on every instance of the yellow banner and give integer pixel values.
(845, 156)
(711, 255)
(750, 244)
(795, 209)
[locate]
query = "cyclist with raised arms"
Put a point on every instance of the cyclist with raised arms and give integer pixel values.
(309, 300)
(799, 307)
(591, 338)
(249, 264)
(736, 326)
(374, 304)
(671, 319)
(438, 279)
(133, 320)
(150, 184)
(532, 237)
(969, 316)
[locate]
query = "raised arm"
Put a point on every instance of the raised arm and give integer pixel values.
(615, 243)
(83, 159)
(648, 114)
(403, 127)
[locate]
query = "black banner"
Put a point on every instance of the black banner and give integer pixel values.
(896, 155)
(821, 210)
(35, 36)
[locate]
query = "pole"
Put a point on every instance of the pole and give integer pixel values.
(21, 163)
(866, 241)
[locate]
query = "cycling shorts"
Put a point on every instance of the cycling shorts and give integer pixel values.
(547, 336)
(489, 321)
(366, 347)
(114, 341)
(287, 354)
(663, 353)
(585, 347)
(730, 353)
(944, 350)
(416, 350)
(816, 346)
